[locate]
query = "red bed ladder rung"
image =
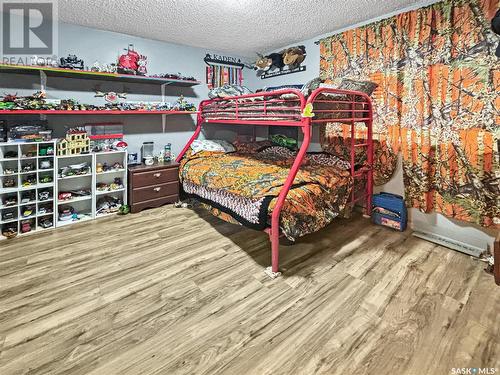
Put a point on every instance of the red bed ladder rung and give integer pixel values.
(361, 145)
(361, 172)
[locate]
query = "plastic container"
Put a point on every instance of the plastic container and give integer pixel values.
(390, 211)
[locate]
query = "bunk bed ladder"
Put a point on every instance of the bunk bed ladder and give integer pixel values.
(366, 171)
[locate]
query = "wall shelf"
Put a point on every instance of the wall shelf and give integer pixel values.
(86, 74)
(97, 112)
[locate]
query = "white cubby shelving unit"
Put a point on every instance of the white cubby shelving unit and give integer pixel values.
(108, 176)
(27, 186)
(88, 207)
(30, 184)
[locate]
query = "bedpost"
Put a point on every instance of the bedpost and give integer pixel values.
(274, 233)
(369, 175)
(496, 256)
(199, 121)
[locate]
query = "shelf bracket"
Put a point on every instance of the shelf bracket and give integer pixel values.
(163, 99)
(43, 87)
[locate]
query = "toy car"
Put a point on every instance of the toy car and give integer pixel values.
(10, 155)
(66, 213)
(9, 182)
(9, 171)
(71, 62)
(45, 179)
(65, 196)
(8, 215)
(10, 201)
(28, 167)
(28, 211)
(29, 181)
(43, 195)
(45, 164)
(46, 223)
(25, 226)
(44, 210)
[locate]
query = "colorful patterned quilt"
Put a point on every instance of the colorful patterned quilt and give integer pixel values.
(243, 187)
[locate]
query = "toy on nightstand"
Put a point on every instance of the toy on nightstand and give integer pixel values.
(76, 142)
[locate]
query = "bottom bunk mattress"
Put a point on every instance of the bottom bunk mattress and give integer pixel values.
(243, 188)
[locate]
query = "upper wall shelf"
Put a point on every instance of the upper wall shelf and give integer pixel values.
(97, 112)
(85, 74)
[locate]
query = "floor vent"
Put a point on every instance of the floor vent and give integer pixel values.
(452, 244)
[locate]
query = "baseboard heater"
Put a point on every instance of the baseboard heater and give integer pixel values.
(449, 243)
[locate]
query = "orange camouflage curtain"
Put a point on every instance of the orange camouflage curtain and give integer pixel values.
(438, 101)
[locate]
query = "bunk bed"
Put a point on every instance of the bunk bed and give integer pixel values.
(291, 108)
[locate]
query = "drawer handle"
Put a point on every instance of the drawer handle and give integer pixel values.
(157, 175)
(157, 189)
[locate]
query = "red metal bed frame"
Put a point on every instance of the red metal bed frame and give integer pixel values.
(353, 115)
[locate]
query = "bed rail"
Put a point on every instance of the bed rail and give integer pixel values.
(286, 108)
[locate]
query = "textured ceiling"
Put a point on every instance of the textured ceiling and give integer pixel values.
(240, 27)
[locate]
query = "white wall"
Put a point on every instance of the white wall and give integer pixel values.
(91, 45)
(435, 223)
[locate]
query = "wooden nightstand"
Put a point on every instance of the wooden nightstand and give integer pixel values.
(153, 186)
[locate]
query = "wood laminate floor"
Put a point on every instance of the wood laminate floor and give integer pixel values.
(174, 291)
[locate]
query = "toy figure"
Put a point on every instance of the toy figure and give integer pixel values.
(71, 62)
(141, 65)
(99, 168)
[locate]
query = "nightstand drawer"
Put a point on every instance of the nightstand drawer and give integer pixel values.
(160, 176)
(154, 191)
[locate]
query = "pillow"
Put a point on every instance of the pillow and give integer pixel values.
(329, 160)
(212, 146)
(228, 90)
(278, 151)
(367, 87)
(310, 86)
(251, 147)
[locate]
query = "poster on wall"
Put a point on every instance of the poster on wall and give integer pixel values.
(280, 63)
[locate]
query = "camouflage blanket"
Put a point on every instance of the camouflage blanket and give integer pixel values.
(243, 187)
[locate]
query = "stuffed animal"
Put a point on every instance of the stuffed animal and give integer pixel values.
(268, 63)
(294, 56)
